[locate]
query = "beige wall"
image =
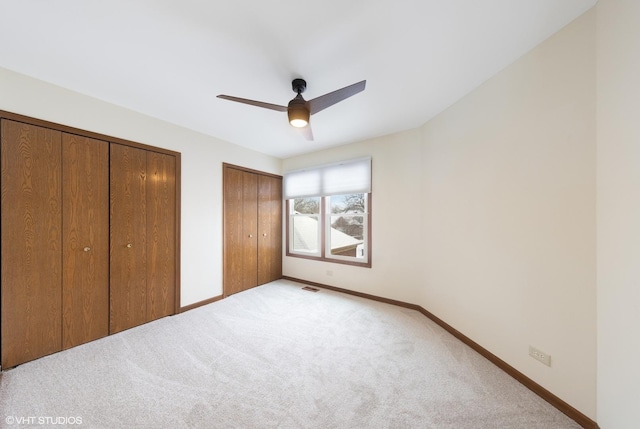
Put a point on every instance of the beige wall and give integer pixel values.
(396, 225)
(509, 214)
(618, 214)
(495, 200)
(202, 157)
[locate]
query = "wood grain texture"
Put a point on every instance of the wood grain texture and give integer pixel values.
(66, 323)
(31, 242)
(249, 242)
(252, 228)
(128, 247)
(269, 229)
(233, 231)
(161, 235)
(72, 130)
(85, 276)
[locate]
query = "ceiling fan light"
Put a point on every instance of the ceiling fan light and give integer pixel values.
(299, 116)
(298, 112)
(298, 123)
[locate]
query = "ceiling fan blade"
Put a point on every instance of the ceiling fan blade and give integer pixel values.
(306, 132)
(254, 103)
(327, 100)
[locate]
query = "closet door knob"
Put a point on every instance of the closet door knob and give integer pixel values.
(250, 235)
(264, 234)
(86, 249)
(129, 246)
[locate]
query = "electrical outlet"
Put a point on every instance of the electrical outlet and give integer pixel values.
(540, 356)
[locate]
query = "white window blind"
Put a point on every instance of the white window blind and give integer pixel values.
(347, 177)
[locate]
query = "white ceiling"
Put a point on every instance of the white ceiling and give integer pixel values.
(169, 59)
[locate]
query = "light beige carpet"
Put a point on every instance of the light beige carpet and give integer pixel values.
(276, 357)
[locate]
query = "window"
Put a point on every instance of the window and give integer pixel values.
(304, 226)
(347, 224)
(329, 212)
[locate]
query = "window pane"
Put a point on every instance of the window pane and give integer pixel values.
(347, 235)
(305, 233)
(332, 228)
(306, 206)
(350, 203)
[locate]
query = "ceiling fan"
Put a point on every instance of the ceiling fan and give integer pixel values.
(299, 110)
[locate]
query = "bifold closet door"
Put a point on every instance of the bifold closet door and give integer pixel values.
(143, 236)
(128, 247)
(240, 230)
(269, 229)
(161, 235)
(31, 194)
(249, 242)
(252, 229)
(85, 233)
(90, 237)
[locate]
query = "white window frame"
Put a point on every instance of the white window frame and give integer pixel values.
(341, 178)
(324, 251)
(365, 233)
(291, 220)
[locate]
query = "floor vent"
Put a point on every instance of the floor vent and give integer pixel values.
(310, 289)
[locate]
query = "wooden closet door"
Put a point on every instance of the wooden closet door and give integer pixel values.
(161, 235)
(232, 226)
(31, 242)
(269, 229)
(85, 251)
(240, 230)
(250, 230)
(128, 247)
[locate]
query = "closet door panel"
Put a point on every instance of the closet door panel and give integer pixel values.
(128, 247)
(31, 242)
(269, 229)
(161, 235)
(85, 254)
(233, 231)
(250, 230)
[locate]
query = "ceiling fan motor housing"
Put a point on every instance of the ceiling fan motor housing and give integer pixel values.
(299, 85)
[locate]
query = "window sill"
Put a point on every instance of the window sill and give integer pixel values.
(331, 260)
